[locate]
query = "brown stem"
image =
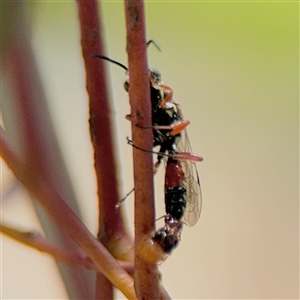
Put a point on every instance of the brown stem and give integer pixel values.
(35, 240)
(111, 231)
(29, 127)
(67, 220)
(101, 124)
(146, 275)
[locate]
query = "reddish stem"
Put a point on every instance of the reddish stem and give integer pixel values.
(71, 257)
(101, 123)
(30, 129)
(67, 220)
(111, 232)
(35, 240)
(146, 276)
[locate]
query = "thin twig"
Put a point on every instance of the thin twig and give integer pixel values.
(35, 240)
(101, 124)
(146, 275)
(111, 231)
(29, 127)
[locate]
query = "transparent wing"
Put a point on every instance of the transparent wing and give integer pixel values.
(192, 182)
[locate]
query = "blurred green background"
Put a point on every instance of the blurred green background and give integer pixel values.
(234, 68)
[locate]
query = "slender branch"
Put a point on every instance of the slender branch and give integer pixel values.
(146, 275)
(29, 127)
(67, 220)
(111, 231)
(111, 225)
(35, 240)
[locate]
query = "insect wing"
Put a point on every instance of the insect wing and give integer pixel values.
(193, 191)
(192, 183)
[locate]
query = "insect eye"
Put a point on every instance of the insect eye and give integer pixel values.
(155, 75)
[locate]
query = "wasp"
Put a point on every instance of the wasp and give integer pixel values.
(183, 199)
(167, 119)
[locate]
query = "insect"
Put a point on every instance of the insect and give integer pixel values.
(183, 202)
(183, 199)
(167, 119)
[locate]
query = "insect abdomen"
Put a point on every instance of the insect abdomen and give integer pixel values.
(175, 201)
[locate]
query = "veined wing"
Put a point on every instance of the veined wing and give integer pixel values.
(192, 182)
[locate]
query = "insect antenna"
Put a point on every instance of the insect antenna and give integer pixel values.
(130, 142)
(110, 60)
(120, 64)
(154, 43)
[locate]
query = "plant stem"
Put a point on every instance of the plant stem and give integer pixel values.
(111, 231)
(67, 220)
(36, 241)
(111, 225)
(146, 276)
(29, 127)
